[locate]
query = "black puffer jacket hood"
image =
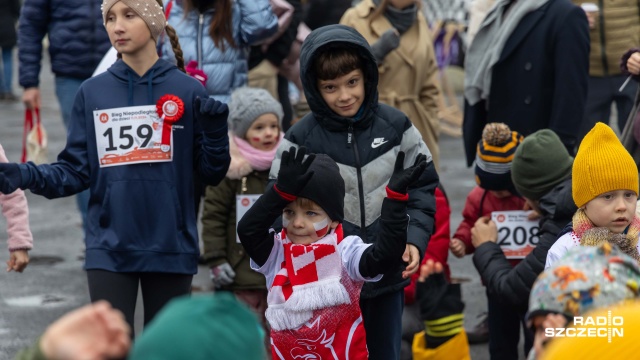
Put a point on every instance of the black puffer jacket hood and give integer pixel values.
(325, 38)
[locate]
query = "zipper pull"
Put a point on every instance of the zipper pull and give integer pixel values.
(350, 135)
(244, 184)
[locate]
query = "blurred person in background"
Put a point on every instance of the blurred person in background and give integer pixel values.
(402, 45)
(516, 70)
(77, 42)
(9, 13)
(613, 28)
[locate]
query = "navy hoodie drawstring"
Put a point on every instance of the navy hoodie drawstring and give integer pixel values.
(130, 87)
(150, 86)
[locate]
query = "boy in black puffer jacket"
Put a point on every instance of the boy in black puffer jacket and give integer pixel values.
(340, 79)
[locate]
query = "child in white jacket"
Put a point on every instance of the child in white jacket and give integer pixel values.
(605, 190)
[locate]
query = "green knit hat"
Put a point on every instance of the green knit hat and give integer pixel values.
(211, 327)
(540, 163)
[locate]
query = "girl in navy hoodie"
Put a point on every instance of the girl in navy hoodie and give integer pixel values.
(139, 132)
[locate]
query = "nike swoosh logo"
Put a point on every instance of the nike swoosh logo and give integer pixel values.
(374, 145)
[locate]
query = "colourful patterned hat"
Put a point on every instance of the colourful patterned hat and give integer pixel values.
(585, 278)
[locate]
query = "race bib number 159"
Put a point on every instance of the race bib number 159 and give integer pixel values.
(130, 135)
(517, 235)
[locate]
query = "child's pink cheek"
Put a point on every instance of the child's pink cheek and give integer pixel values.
(255, 139)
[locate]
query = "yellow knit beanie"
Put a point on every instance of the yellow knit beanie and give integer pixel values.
(601, 165)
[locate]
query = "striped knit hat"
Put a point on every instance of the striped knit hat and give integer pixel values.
(602, 165)
(494, 155)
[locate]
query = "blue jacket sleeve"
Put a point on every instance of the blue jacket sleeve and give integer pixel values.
(211, 151)
(33, 25)
(70, 174)
(257, 21)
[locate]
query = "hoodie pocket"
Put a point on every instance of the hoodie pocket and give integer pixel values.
(142, 215)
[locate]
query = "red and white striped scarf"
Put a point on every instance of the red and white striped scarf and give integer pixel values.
(309, 279)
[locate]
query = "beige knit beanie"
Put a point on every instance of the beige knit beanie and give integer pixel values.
(148, 10)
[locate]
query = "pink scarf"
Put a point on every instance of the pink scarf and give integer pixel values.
(258, 159)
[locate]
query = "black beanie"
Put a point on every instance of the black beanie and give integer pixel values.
(326, 187)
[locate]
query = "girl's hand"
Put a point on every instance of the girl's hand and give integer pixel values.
(633, 64)
(18, 260)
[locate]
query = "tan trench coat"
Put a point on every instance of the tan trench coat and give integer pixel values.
(408, 79)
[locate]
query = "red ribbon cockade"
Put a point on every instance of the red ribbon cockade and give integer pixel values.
(170, 108)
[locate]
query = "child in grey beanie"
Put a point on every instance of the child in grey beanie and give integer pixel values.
(247, 104)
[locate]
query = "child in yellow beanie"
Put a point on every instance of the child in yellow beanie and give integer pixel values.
(605, 190)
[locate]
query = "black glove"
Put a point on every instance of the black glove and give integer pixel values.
(293, 175)
(388, 42)
(211, 114)
(438, 300)
(402, 179)
(10, 177)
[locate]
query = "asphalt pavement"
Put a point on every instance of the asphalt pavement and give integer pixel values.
(55, 283)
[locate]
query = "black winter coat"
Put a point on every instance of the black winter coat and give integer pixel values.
(9, 13)
(540, 79)
(513, 284)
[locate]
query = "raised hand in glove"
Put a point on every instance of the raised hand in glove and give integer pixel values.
(222, 275)
(10, 177)
(402, 178)
(293, 175)
(211, 115)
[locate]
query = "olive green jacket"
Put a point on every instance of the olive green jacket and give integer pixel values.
(219, 221)
(617, 29)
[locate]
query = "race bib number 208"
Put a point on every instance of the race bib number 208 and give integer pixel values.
(517, 235)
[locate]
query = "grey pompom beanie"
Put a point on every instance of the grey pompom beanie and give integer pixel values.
(247, 104)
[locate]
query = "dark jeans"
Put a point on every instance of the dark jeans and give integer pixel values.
(121, 290)
(6, 76)
(603, 91)
(504, 331)
(382, 316)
